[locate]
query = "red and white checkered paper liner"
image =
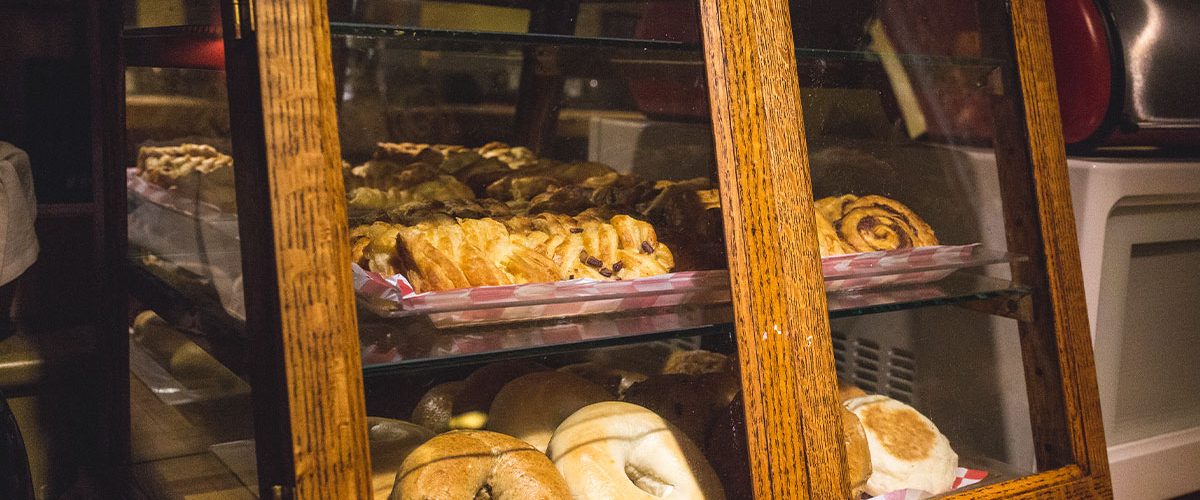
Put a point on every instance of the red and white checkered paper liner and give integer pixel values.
(393, 296)
(963, 477)
(896, 267)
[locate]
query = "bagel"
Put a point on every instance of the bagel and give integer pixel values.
(390, 442)
(615, 380)
(691, 402)
(620, 450)
(907, 450)
(481, 386)
(436, 407)
(478, 464)
(531, 406)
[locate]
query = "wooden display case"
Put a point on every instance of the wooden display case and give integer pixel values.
(280, 76)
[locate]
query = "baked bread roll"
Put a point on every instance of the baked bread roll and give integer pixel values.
(436, 407)
(615, 380)
(874, 223)
(690, 402)
(480, 388)
(390, 442)
(847, 392)
(619, 450)
(531, 406)
(907, 450)
(858, 453)
(479, 465)
(697, 362)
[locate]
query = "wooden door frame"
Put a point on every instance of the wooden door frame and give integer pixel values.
(792, 426)
(306, 368)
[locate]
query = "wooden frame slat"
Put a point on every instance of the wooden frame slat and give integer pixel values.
(1056, 220)
(310, 415)
(788, 377)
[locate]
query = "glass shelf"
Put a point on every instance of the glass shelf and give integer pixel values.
(958, 288)
(200, 46)
(414, 343)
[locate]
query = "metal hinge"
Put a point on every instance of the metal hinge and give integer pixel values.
(239, 27)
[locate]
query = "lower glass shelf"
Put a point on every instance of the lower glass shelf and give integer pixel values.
(392, 344)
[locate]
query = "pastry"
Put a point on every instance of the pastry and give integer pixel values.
(873, 223)
(847, 392)
(828, 239)
(832, 207)
(480, 465)
(390, 442)
(197, 170)
(727, 448)
(615, 380)
(436, 407)
(621, 450)
(858, 453)
(907, 450)
(436, 251)
(697, 362)
(531, 406)
(691, 402)
(481, 387)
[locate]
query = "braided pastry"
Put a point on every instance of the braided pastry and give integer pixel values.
(441, 252)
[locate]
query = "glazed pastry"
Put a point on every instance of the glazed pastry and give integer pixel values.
(478, 464)
(828, 238)
(435, 251)
(833, 207)
(873, 223)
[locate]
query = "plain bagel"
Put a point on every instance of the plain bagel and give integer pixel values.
(620, 450)
(531, 406)
(478, 464)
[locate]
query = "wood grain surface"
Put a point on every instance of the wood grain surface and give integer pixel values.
(1064, 280)
(1055, 343)
(788, 377)
(310, 418)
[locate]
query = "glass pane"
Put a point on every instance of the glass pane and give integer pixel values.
(905, 104)
(187, 336)
(544, 183)
(159, 13)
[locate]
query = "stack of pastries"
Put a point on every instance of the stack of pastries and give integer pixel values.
(197, 171)
(450, 217)
(852, 224)
(442, 252)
